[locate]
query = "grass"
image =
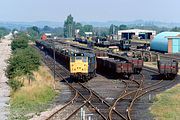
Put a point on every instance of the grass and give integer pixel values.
(34, 98)
(167, 105)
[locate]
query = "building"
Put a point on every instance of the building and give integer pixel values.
(88, 34)
(49, 35)
(9, 36)
(168, 42)
(138, 33)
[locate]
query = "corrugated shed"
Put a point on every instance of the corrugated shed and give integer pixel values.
(160, 41)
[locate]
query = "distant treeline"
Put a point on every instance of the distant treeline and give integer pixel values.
(36, 32)
(70, 29)
(4, 31)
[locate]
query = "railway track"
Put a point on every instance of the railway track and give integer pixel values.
(128, 98)
(92, 98)
(96, 102)
(122, 102)
(146, 89)
(84, 96)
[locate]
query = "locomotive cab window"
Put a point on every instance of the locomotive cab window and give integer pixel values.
(91, 60)
(84, 59)
(72, 59)
(79, 58)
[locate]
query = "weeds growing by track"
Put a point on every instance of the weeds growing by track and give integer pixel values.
(167, 105)
(32, 99)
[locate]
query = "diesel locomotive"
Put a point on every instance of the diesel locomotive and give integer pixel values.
(81, 65)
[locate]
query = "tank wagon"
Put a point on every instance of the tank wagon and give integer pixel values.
(112, 66)
(167, 68)
(82, 66)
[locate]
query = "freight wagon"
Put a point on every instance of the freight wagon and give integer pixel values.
(112, 66)
(167, 68)
(125, 44)
(137, 62)
(103, 42)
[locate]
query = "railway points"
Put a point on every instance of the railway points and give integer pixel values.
(134, 90)
(96, 64)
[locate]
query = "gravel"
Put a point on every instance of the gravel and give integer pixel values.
(5, 52)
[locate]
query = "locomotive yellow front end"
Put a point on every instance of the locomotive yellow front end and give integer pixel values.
(78, 66)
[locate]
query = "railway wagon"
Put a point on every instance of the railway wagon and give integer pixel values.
(113, 66)
(80, 40)
(125, 44)
(167, 68)
(44, 46)
(138, 63)
(62, 56)
(102, 42)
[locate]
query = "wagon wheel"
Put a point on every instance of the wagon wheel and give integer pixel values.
(128, 76)
(145, 59)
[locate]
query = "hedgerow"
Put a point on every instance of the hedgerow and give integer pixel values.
(23, 61)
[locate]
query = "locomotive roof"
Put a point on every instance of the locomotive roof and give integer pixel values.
(84, 54)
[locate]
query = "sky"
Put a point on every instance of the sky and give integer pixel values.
(90, 10)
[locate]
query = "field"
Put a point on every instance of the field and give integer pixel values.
(34, 98)
(167, 105)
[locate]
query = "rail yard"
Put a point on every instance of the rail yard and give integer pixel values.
(89, 60)
(114, 86)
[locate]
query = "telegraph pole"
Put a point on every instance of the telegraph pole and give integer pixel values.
(54, 57)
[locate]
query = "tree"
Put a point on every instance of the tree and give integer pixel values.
(20, 42)
(88, 28)
(113, 29)
(47, 29)
(69, 27)
(80, 27)
(123, 27)
(83, 29)
(23, 62)
(176, 29)
(33, 32)
(3, 32)
(58, 32)
(101, 31)
(36, 29)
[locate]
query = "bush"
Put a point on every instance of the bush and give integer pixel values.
(20, 42)
(15, 84)
(23, 62)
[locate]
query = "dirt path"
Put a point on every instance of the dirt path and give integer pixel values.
(5, 52)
